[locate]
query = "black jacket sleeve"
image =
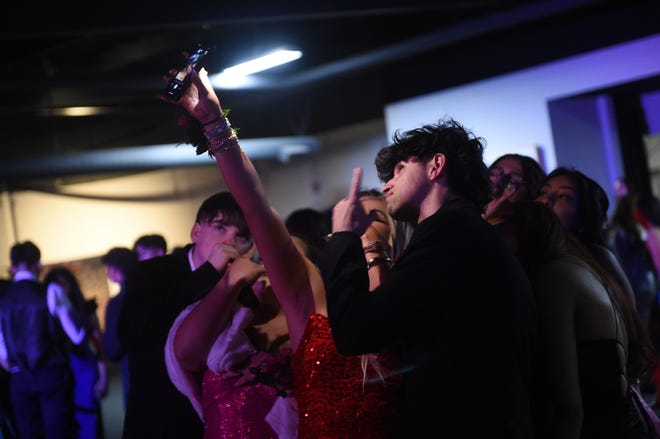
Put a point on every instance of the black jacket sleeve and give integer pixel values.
(156, 292)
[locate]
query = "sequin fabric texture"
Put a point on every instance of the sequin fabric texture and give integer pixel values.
(234, 412)
(333, 400)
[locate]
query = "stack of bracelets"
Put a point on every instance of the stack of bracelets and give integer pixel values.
(220, 135)
(380, 248)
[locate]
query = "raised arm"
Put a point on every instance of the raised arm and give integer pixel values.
(200, 328)
(294, 278)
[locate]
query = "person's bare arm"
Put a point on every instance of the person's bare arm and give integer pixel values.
(199, 329)
(290, 273)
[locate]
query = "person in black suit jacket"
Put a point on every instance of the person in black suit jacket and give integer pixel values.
(37, 325)
(457, 303)
(119, 261)
(156, 291)
(6, 414)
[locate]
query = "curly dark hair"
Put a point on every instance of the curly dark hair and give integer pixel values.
(467, 174)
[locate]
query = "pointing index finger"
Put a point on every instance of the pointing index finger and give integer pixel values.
(355, 184)
(197, 80)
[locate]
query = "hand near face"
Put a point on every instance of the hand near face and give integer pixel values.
(509, 195)
(348, 214)
(243, 272)
(222, 255)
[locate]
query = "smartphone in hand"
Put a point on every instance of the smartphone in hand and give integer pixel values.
(181, 80)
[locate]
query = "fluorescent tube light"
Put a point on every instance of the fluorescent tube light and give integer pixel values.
(72, 111)
(265, 62)
(238, 76)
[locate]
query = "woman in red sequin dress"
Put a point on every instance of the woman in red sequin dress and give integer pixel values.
(338, 396)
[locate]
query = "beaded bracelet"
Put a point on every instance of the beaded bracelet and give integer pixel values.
(211, 122)
(378, 260)
(220, 136)
(222, 126)
(223, 144)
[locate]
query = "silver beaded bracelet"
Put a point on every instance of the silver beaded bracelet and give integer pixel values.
(223, 144)
(221, 126)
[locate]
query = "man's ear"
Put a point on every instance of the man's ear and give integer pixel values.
(436, 165)
(194, 232)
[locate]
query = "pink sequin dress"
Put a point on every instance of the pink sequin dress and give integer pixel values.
(334, 400)
(237, 412)
(263, 408)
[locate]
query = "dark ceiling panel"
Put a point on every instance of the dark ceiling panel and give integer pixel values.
(358, 57)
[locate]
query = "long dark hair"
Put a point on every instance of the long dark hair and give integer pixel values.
(539, 234)
(592, 205)
(541, 238)
(641, 353)
(624, 217)
(64, 277)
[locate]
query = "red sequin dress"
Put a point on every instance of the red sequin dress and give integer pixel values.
(334, 400)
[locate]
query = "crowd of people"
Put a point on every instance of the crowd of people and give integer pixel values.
(383, 317)
(53, 349)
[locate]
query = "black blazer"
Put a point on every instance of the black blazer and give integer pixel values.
(155, 293)
(460, 307)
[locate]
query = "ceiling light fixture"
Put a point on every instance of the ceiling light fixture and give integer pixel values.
(238, 75)
(72, 111)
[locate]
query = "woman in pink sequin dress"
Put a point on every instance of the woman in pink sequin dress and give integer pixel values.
(338, 396)
(233, 362)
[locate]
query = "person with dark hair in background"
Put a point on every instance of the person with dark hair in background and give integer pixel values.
(623, 188)
(582, 204)
(647, 214)
(119, 261)
(590, 346)
(150, 246)
(155, 293)
(35, 321)
(628, 238)
(86, 358)
(456, 297)
(232, 359)
(514, 177)
(310, 225)
(7, 422)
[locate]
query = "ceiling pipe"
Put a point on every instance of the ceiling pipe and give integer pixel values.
(430, 41)
(144, 158)
(159, 156)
